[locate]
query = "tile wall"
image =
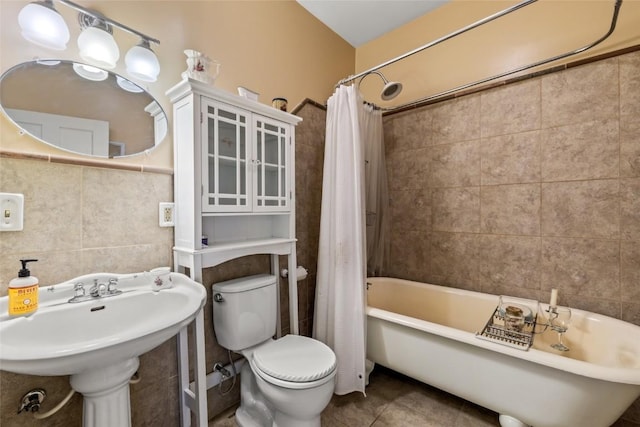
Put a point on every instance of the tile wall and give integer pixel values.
(525, 187)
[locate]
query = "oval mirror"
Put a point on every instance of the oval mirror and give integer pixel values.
(81, 108)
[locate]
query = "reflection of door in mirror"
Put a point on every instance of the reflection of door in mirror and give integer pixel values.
(83, 136)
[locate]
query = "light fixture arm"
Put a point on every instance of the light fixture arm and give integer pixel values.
(107, 21)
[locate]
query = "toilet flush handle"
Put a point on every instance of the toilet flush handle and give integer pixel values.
(218, 298)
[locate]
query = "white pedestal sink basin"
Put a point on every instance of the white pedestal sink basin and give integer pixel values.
(98, 341)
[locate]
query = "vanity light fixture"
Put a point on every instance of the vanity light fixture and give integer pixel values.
(43, 25)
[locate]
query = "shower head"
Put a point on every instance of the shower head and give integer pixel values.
(390, 89)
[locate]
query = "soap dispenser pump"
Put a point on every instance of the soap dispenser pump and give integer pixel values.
(23, 291)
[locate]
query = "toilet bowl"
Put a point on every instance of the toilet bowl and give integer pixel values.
(287, 382)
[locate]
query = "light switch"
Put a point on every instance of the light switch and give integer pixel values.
(11, 212)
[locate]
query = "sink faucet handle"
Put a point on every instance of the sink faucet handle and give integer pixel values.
(111, 287)
(78, 288)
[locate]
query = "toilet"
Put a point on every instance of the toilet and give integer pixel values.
(285, 382)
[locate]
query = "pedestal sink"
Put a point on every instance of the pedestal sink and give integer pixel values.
(98, 340)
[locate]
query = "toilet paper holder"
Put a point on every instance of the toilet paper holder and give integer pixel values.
(301, 273)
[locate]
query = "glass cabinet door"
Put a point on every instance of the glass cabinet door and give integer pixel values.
(225, 146)
(272, 164)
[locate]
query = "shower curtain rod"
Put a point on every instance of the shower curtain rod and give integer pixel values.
(614, 20)
(438, 41)
(612, 27)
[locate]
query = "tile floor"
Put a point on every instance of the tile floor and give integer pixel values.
(395, 400)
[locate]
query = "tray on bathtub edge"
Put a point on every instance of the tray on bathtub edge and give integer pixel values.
(496, 332)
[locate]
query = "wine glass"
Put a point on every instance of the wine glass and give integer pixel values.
(560, 320)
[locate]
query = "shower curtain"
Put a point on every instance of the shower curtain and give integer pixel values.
(340, 319)
(377, 194)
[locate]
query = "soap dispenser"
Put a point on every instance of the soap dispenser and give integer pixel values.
(23, 292)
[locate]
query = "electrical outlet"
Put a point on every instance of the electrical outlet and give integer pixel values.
(166, 215)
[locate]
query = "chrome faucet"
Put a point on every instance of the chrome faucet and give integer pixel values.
(98, 290)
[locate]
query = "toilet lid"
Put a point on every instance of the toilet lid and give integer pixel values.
(295, 358)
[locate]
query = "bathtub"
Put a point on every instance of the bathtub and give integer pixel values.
(428, 332)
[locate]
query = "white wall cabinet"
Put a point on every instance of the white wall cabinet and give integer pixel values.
(234, 163)
(246, 160)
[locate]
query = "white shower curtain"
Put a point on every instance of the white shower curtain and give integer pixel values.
(376, 191)
(339, 306)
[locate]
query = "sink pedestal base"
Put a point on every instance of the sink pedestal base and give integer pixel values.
(106, 394)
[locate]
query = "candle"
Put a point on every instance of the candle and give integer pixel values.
(554, 298)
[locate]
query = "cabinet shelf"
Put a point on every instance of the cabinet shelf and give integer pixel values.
(221, 252)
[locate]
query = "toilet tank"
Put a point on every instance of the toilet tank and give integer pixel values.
(244, 311)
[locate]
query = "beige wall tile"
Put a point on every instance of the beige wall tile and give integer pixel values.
(630, 208)
(455, 165)
(588, 150)
(410, 130)
(581, 94)
(408, 169)
(630, 271)
(455, 260)
(630, 84)
(611, 308)
(418, 217)
(511, 109)
(409, 255)
(584, 267)
(117, 202)
(629, 145)
(510, 159)
(128, 259)
(581, 209)
(510, 209)
(631, 314)
(509, 263)
(456, 120)
(456, 209)
(52, 206)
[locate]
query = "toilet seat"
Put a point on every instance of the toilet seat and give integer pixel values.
(294, 361)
